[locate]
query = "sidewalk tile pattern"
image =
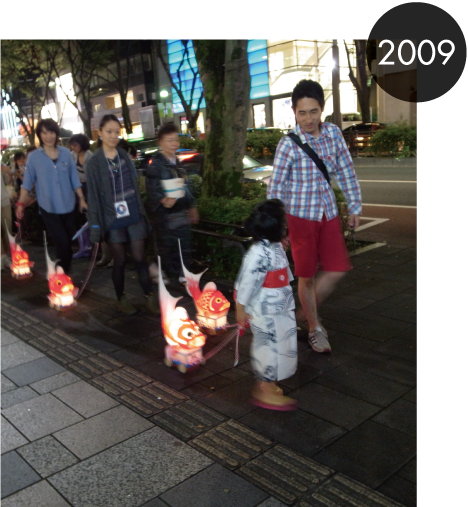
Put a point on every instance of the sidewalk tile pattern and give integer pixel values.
(151, 399)
(11, 437)
(84, 399)
(16, 473)
(7, 384)
(7, 337)
(41, 416)
(232, 444)
(53, 382)
(16, 396)
(344, 492)
(33, 371)
(216, 487)
(18, 353)
(356, 418)
(285, 474)
(94, 366)
(41, 494)
(121, 381)
(47, 456)
(101, 431)
(73, 352)
(188, 420)
(130, 473)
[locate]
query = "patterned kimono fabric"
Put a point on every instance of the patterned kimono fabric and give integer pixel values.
(274, 344)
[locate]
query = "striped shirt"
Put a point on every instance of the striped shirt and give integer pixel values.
(300, 184)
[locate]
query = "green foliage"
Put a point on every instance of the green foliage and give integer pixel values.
(231, 211)
(194, 184)
(193, 143)
(397, 141)
(252, 190)
(263, 143)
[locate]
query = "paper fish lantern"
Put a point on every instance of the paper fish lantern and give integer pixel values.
(180, 332)
(62, 291)
(20, 264)
(212, 306)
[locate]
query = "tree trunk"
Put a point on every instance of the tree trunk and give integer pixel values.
(236, 99)
(360, 82)
(126, 113)
(210, 56)
(225, 76)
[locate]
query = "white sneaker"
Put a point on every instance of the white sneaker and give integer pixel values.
(318, 340)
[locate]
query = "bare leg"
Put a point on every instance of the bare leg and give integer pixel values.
(313, 292)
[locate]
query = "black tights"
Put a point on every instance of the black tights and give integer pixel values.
(137, 249)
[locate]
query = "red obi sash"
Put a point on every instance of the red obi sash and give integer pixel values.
(276, 279)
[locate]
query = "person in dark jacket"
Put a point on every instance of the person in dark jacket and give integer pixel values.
(172, 216)
(116, 212)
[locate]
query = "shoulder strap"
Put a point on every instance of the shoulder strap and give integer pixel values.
(311, 153)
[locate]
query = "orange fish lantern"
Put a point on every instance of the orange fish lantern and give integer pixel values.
(184, 338)
(62, 291)
(20, 264)
(212, 306)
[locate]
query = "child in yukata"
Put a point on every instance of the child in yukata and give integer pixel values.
(264, 297)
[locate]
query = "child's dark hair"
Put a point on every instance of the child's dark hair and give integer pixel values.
(267, 221)
(17, 156)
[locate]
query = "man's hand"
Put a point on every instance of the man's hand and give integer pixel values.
(353, 222)
(168, 202)
(193, 215)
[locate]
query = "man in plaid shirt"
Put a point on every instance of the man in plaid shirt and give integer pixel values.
(314, 226)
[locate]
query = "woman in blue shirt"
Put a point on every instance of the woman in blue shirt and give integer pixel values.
(53, 172)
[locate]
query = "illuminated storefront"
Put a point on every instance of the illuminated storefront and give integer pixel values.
(275, 67)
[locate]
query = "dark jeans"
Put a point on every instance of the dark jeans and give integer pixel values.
(62, 230)
(167, 246)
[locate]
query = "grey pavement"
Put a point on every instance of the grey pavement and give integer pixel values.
(92, 417)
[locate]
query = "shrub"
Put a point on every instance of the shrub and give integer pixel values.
(193, 144)
(263, 144)
(397, 141)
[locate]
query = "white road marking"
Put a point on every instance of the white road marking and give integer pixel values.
(373, 221)
(389, 205)
(386, 181)
(366, 248)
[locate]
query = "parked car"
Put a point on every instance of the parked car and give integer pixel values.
(347, 119)
(359, 136)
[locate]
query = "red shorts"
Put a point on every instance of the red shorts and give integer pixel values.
(317, 245)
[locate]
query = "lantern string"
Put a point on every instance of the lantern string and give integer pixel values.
(90, 269)
(229, 337)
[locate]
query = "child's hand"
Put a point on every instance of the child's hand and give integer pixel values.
(241, 316)
(285, 242)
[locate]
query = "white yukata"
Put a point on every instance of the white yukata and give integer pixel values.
(274, 344)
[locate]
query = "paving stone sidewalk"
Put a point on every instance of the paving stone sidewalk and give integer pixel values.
(92, 417)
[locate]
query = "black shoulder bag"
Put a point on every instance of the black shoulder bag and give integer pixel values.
(311, 153)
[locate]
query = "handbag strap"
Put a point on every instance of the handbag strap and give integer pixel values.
(311, 153)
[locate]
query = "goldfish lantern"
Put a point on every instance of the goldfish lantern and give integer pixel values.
(184, 338)
(212, 306)
(20, 264)
(62, 292)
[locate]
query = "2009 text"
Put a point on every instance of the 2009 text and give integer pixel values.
(384, 60)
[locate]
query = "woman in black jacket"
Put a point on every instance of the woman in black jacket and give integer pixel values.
(116, 213)
(172, 216)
